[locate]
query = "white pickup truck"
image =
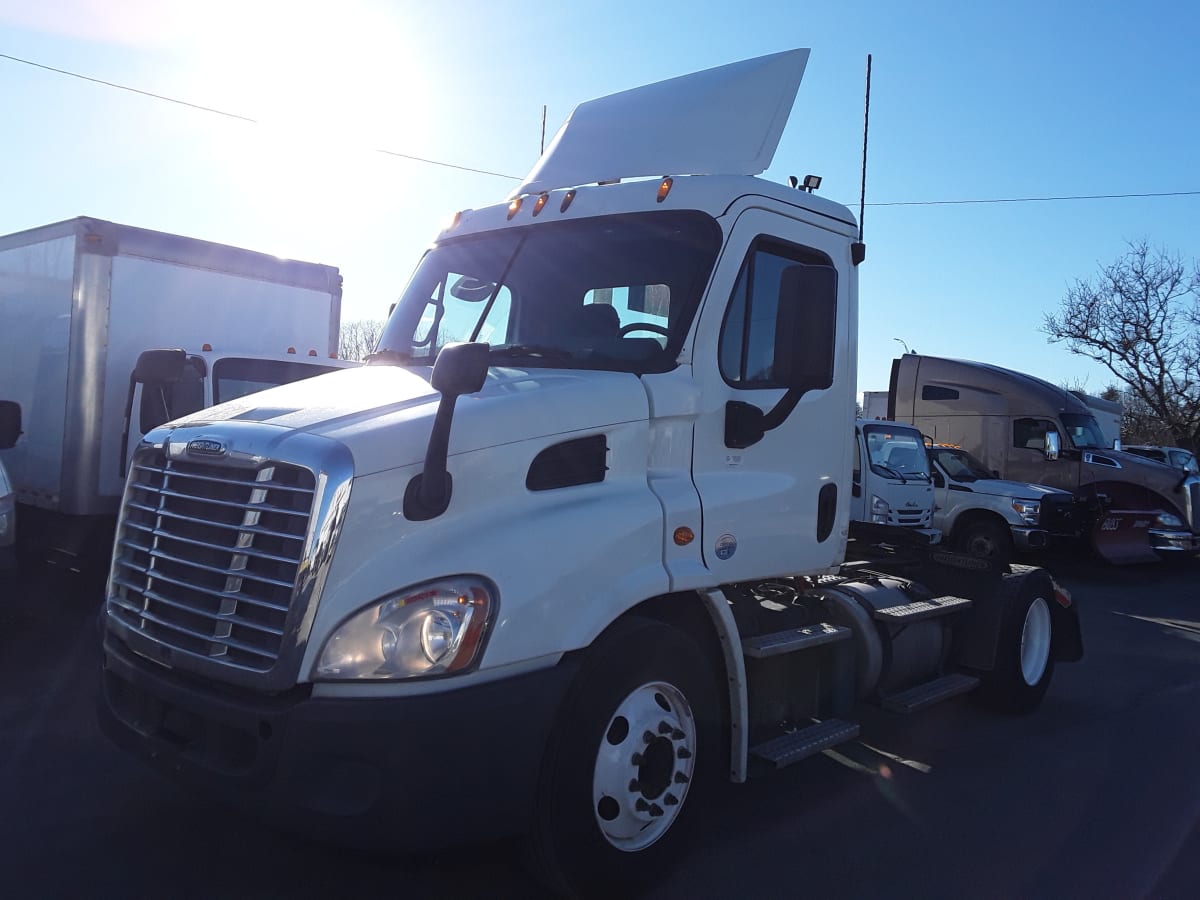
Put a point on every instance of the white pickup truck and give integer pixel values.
(990, 517)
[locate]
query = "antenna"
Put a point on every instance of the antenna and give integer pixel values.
(859, 250)
(543, 148)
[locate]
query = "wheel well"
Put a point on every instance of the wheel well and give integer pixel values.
(973, 516)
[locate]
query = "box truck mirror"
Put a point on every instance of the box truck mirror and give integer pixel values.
(159, 366)
(1053, 445)
(10, 423)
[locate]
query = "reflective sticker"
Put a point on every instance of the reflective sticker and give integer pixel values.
(726, 546)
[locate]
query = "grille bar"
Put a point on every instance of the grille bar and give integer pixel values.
(209, 554)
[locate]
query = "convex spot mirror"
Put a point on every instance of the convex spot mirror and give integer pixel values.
(471, 289)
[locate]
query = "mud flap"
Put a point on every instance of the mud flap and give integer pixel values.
(1066, 643)
(1122, 537)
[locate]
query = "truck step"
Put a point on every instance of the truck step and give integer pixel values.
(921, 609)
(774, 643)
(929, 693)
(789, 748)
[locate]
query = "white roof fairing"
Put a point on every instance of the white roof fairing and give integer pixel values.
(722, 121)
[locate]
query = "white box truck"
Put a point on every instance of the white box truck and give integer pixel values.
(81, 300)
(574, 544)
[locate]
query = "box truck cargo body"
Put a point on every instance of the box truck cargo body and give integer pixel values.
(80, 300)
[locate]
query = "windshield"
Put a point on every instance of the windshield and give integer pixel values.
(1084, 431)
(611, 292)
(235, 377)
(959, 464)
(895, 452)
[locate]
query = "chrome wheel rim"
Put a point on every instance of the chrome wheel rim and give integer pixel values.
(644, 766)
(1035, 641)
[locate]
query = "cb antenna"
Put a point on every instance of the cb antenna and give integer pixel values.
(858, 251)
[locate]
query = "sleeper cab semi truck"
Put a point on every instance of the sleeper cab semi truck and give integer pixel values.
(573, 545)
(85, 306)
(1025, 429)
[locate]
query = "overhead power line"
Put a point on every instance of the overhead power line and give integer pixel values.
(232, 115)
(447, 165)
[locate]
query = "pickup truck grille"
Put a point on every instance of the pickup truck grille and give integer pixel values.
(207, 556)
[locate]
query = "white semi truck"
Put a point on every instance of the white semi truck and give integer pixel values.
(81, 300)
(573, 545)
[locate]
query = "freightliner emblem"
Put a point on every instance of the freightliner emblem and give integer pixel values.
(206, 447)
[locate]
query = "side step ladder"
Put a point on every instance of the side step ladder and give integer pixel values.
(790, 748)
(929, 693)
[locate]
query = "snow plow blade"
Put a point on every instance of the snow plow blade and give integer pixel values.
(1122, 537)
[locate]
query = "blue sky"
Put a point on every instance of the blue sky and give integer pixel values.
(969, 101)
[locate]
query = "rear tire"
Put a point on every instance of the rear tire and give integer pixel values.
(635, 743)
(1024, 659)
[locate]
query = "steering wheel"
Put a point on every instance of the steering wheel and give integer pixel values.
(644, 326)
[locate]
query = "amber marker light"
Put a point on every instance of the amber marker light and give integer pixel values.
(291, 350)
(664, 188)
(514, 207)
(541, 202)
(567, 199)
(684, 536)
(205, 348)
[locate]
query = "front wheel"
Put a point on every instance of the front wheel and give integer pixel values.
(637, 740)
(1024, 663)
(986, 540)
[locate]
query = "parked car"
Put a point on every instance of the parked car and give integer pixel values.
(1176, 457)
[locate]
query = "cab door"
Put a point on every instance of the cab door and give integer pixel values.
(773, 363)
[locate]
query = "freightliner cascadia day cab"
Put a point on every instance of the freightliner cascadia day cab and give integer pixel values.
(85, 306)
(1026, 429)
(574, 544)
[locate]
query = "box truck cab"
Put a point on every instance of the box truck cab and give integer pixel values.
(1025, 429)
(573, 544)
(891, 480)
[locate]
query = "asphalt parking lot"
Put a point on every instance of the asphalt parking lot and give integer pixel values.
(1094, 795)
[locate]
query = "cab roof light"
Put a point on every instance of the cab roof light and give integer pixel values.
(664, 188)
(206, 348)
(541, 202)
(514, 207)
(566, 200)
(453, 221)
(291, 350)
(312, 352)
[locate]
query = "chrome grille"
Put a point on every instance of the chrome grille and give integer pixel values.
(208, 556)
(910, 518)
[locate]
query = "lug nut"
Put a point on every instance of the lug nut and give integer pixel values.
(635, 786)
(642, 805)
(647, 736)
(637, 759)
(678, 735)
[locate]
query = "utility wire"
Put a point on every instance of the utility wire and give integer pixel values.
(240, 118)
(435, 162)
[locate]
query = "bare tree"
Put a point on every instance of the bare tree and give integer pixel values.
(359, 338)
(1140, 318)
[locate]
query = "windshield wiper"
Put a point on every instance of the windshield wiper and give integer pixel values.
(532, 351)
(388, 356)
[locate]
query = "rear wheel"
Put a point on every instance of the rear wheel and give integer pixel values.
(636, 741)
(1024, 663)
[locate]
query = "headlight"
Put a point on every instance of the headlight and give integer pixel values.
(881, 510)
(1028, 510)
(431, 629)
(1167, 520)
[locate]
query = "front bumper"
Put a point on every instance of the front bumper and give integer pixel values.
(408, 773)
(1025, 538)
(1173, 541)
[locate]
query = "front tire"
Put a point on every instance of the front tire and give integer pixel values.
(986, 539)
(636, 741)
(1024, 658)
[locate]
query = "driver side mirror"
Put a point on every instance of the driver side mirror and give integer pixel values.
(161, 366)
(10, 423)
(1053, 445)
(805, 328)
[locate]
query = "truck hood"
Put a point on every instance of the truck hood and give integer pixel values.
(1017, 489)
(383, 414)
